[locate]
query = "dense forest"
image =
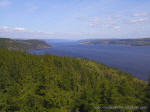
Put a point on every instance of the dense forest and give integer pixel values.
(47, 83)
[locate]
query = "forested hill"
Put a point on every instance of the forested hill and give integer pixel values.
(23, 45)
(132, 42)
(46, 83)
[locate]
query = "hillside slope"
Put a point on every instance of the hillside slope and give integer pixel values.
(23, 45)
(46, 83)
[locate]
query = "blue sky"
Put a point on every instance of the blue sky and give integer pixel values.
(75, 19)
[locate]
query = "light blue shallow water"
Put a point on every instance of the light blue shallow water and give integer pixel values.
(132, 59)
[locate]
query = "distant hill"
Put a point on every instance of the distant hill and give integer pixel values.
(23, 45)
(132, 42)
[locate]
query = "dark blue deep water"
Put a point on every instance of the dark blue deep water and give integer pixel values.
(131, 59)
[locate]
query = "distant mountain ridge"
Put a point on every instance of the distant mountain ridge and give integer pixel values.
(22, 45)
(132, 42)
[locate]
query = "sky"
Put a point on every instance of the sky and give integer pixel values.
(74, 19)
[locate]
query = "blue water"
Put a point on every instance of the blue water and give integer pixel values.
(132, 59)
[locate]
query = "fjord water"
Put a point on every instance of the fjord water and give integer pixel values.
(131, 59)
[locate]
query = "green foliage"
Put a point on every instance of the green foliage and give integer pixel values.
(22, 45)
(147, 96)
(46, 83)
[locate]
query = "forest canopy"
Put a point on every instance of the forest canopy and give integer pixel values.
(47, 83)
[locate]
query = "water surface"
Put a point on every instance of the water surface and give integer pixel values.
(132, 59)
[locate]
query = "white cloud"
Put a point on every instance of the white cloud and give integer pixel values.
(96, 19)
(20, 29)
(140, 14)
(117, 28)
(11, 29)
(4, 3)
(103, 22)
(139, 20)
(93, 25)
(18, 32)
(109, 22)
(22, 33)
(94, 22)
